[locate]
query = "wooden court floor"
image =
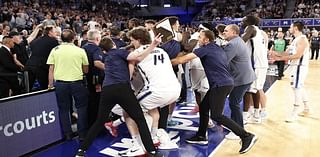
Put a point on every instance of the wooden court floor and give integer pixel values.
(276, 137)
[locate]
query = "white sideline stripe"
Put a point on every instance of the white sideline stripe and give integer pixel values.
(216, 149)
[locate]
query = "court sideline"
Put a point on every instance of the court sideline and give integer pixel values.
(276, 137)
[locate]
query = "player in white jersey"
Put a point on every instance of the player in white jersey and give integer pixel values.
(161, 86)
(298, 54)
(256, 40)
(199, 81)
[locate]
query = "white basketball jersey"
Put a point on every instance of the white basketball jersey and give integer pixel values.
(304, 60)
(156, 71)
(260, 49)
(196, 63)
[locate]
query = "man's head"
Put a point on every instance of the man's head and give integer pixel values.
(250, 20)
(68, 36)
(134, 22)
(8, 41)
(231, 31)
(295, 27)
(139, 36)
(174, 22)
(15, 37)
(106, 43)
(149, 24)
(280, 35)
(205, 37)
(94, 36)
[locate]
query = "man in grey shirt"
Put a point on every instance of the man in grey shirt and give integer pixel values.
(240, 68)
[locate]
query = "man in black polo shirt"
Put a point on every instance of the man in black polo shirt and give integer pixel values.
(36, 65)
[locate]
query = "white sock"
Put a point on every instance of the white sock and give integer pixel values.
(306, 105)
(136, 140)
(245, 115)
(118, 122)
(154, 131)
(169, 117)
(256, 113)
(295, 109)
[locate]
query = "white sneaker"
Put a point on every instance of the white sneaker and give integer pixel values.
(292, 118)
(156, 141)
(133, 151)
(210, 123)
(305, 113)
(263, 115)
(255, 120)
(246, 117)
(232, 136)
(165, 140)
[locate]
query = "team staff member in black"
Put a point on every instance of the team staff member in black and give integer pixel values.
(214, 61)
(8, 69)
(36, 65)
(117, 90)
(315, 45)
(93, 76)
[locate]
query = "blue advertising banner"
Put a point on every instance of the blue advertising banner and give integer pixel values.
(28, 123)
(272, 22)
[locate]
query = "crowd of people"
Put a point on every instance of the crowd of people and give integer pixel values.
(306, 9)
(129, 68)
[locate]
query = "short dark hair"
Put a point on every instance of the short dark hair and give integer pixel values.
(209, 34)
(135, 22)
(115, 31)
(173, 20)
(141, 34)
(47, 29)
(299, 25)
(106, 43)
(150, 21)
(250, 20)
(220, 27)
(68, 35)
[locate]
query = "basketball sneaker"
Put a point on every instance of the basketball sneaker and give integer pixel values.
(172, 123)
(263, 115)
(80, 153)
(112, 129)
(293, 115)
(133, 151)
(165, 140)
(305, 112)
(255, 120)
(156, 141)
(211, 123)
(292, 118)
(197, 140)
(247, 143)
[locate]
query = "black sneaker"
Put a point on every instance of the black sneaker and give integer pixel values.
(247, 143)
(197, 140)
(80, 153)
(156, 154)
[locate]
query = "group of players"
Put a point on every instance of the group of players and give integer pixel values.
(221, 65)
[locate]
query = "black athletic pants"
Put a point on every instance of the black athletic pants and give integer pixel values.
(214, 102)
(121, 94)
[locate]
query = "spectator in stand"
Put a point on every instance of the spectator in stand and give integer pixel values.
(8, 69)
(41, 47)
(48, 21)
